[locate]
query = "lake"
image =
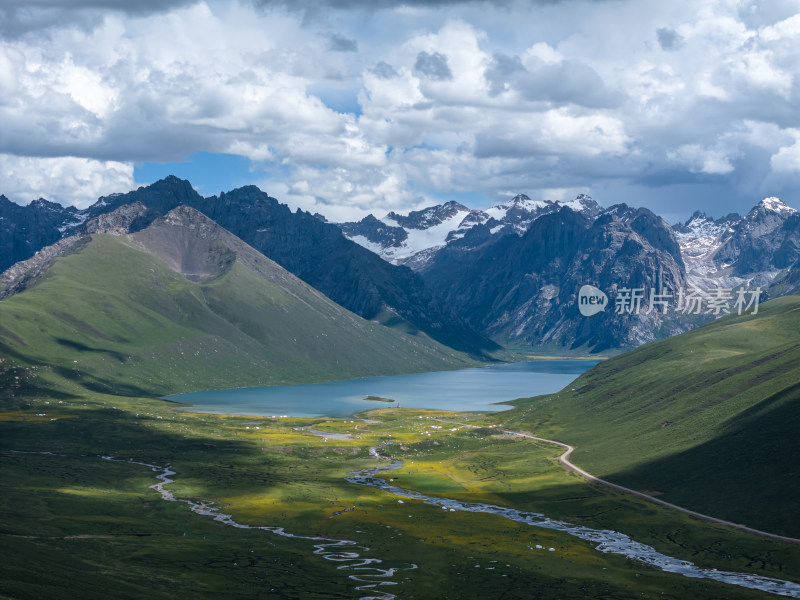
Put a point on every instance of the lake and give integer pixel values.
(475, 389)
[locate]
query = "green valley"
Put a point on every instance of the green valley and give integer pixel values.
(706, 420)
(92, 337)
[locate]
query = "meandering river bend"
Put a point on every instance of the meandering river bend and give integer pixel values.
(371, 575)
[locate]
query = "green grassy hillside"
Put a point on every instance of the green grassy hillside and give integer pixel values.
(115, 318)
(708, 420)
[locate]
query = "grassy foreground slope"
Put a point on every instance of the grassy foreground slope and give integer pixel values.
(73, 525)
(707, 420)
(184, 305)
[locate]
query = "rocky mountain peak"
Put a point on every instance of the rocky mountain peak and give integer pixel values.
(430, 216)
(776, 205)
(42, 204)
(698, 216)
(585, 205)
(117, 222)
(764, 241)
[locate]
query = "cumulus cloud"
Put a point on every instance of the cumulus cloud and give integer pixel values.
(787, 158)
(433, 65)
(19, 17)
(711, 161)
(384, 70)
(555, 79)
(68, 180)
(396, 104)
(501, 71)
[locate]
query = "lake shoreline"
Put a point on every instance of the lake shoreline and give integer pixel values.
(475, 389)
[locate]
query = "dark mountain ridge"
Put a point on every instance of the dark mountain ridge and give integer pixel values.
(315, 251)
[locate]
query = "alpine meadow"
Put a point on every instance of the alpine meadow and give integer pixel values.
(458, 300)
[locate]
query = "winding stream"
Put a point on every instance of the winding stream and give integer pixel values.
(370, 577)
(607, 540)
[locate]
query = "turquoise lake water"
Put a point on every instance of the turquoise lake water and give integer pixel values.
(474, 389)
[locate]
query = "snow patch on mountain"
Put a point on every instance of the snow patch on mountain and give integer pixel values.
(777, 205)
(431, 233)
(739, 251)
(414, 238)
(699, 238)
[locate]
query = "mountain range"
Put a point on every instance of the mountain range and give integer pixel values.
(514, 270)
(413, 239)
(314, 251)
(477, 279)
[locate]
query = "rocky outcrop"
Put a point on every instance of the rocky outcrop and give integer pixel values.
(25, 273)
(120, 221)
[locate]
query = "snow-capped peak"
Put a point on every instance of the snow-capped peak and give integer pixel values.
(518, 204)
(41, 203)
(776, 205)
(699, 225)
(582, 204)
(400, 238)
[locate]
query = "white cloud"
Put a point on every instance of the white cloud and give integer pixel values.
(787, 28)
(68, 180)
(787, 158)
(538, 96)
(711, 161)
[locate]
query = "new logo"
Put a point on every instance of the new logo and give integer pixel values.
(591, 300)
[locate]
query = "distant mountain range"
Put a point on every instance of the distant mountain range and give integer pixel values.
(412, 239)
(471, 278)
(753, 249)
(513, 270)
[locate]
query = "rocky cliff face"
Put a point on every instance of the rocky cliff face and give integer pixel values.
(524, 290)
(24, 230)
(699, 238)
(119, 221)
(753, 250)
(25, 273)
(766, 239)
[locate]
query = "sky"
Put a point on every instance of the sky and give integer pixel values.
(347, 107)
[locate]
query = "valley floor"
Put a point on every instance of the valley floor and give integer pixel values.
(73, 523)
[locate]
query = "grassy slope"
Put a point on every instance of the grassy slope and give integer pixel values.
(707, 420)
(76, 524)
(120, 321)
